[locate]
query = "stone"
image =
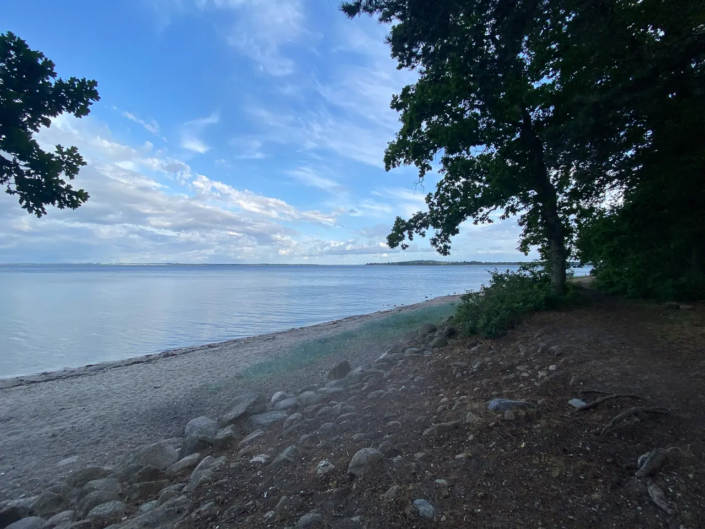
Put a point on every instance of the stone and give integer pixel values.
(149, 506)
(263, 421)
(364, 460)
(287, 404)
(324, 468)
(293, 419)
(412, 351)
(326, 410)
(194, 445)
(311, 520)
(33, 522)
(67, 461)
(83, 476)
(438, 429)
(103, 484)
(226, 437)
(327, 430)
(672, 305)
(450, 331)
(360, 373)
(427, 328)
(251, 438)
(506, 404)
(241, 408)
(204, 472)
(376, 394)
(393, 493)
(289, 456)
(94, 499)
(149, 473)
(509, 415)
(471, 418)
(279, 395)
(339, 371)
(108, 512)
(310, 398)
(14, 510)
(388, 449)
(48, 504)
(187, 464)
(164, 516)
(438, 342)
(330, 391)
(425, 509)
(144, 491)
(201, 427)
(62, 519)
(577, 403)
(169, 493)
(161, 455)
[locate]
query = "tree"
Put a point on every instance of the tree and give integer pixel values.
(485, 103)
(30, 96)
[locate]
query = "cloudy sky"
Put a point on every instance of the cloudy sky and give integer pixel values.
(228, 131)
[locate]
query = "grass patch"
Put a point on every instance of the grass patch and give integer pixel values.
(388, 328)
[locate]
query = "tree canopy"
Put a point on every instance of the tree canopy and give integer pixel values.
(30, 96)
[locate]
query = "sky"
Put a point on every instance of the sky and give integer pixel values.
(228, 131)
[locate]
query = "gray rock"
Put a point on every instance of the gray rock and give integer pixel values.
(324, 468)
(311, 520)
(471, 418)
(509, 415)
(263, 421)
(364, 460)
(61, 519)
(330, 391)
(450, 331)
(376, 394)
(161, 455)
(359, 373)
(425, 509)
(577, 403)
(289, 456)
(144, 491)
(286, 405)
(339, 371)
(412, 351)
(251, 438)
(149, 506)
(505, 404)
(327, 430)
(204, 472)
(241, 408)
(33, 522)
(163, 517)
(195, 444)
(14, 510)
(103, 484)
(427, 328)
(310, 398)
(388, 449)
(187, 464)
(226, 437)
(48, 504)
(201, 427)
(83, 476)
(438, 342)
(393, 494)
(292, 419)
(94, 499)
(278, 396)
(326, 410)
(439, 429)
(108, 512)
(149, 473)
(169, 493)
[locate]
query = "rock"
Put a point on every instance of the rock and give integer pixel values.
(393, 493)
(471, 418)
(577, 403)
(194, 445)
(326, 410)
(144, 491)
(412, 351)
(360, 373)
(163, 517)
(330, 391)
(108, 512)
(310, 398)
(169, 493)
(306, 440)
(376, 394)
(672, 305)
(289, 456)
(388, 449)
(651, 462)
(186, 464)
(311, 520)
(287, 404)
(241, 408)
(427, 328)
(204, 472)
(62, 519)
(438, 342)
(450, 331)
(438, 429)
(364, 460)
(279, 395)
(83, 476)
(327, 430)
(103, 484)
(161, 455)
(201, 427)
(263, 421)
(149, 473)
(509, 415)
(149, 506)
(425, 509)
(14, 510)
(48, 504)
(262, 458)
(250, 438)
(339, 371)
(505, 404)
(33, 522)
(324, 468)
(94, 499)
(292, 419)
(226, 437)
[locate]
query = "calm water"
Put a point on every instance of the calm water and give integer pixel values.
(56, 316)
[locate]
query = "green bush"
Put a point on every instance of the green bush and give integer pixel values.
(496, 308)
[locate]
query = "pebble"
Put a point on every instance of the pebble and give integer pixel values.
(324, 467)
(509, 415)
(363, 461)
(425, 509)
(577, 403)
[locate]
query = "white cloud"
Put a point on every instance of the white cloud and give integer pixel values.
(192, 130)
(312, 178)
(150, 126)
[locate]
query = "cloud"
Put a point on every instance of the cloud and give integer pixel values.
(249, 148)
(312, 178)
(192, 130)
(150, 126)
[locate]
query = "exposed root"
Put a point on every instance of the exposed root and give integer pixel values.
(633, 411)
(651, 462)
(658, 497)
(595, 403)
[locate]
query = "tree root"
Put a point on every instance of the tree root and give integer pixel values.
(632, 411)
(595, 403)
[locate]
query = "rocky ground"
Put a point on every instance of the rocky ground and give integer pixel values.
(590, 417)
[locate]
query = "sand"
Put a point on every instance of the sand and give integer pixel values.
(53, 423)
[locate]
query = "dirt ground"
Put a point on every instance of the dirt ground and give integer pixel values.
(548, 466)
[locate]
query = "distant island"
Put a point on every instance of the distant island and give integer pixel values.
(459, 263)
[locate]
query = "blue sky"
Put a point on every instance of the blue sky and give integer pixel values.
(227, 131)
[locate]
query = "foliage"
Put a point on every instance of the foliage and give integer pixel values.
(30, 96)
(369, 334)
(498, 307)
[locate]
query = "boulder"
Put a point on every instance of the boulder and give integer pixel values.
(62, 519)
(441, 341)
(324, 468)
(169, 493)
(364, 460)
(289, 456)
(194, 445)
(226, 437)
(310, 398)
(263, 421)
(292, 419)
(250, 438)
(48, 504)
(33, 522)
(327, 430)
(339, 370)
(438, 429)
(427, 328)
(94, 499)
(148, 473)
(286, 404)
(14, 510)
(201, 427)
(143, 491)
(164, 516)
(204, 472)
(149, 506)
(279, 395)
(108, 512)
(161, 455)
(83, 476)
(187, 464)
(241, 408)
(103, 484)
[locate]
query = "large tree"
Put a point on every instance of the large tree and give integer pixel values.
(30, 96)
(484, 108)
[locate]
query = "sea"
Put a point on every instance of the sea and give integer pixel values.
(58, 316)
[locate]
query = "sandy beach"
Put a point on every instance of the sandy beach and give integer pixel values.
(53, 423)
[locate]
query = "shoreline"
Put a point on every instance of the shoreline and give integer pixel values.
(89, 369)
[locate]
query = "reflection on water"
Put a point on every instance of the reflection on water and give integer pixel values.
(57, 316)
